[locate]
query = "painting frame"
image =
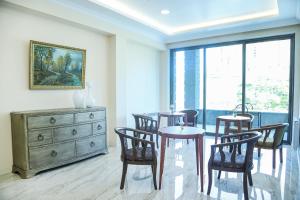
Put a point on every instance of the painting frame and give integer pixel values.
(37, 84)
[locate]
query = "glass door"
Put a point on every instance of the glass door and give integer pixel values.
(268, 80)
(223, 82)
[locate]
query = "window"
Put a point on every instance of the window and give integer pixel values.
(253, 73)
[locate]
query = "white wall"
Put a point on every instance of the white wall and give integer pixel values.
(250, 35)
(142, 82)
(16, 30)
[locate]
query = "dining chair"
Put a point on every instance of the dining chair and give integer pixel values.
(192, 116)
(225, 157)
(137, 148)
(272, 139)
(146, 123)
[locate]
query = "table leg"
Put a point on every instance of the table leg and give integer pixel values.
(200, 147)
(197, 154)
(162, 158)
(158, 121)
(217, 130)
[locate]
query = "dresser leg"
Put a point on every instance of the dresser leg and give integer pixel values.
(22, 173)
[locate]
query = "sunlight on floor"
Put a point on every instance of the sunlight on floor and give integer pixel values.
(178, 186)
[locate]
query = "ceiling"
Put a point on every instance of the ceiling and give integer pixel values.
(188, 18)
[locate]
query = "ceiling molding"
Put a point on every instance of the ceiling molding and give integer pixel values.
(229, 31)
(137, 15)
(88, 14)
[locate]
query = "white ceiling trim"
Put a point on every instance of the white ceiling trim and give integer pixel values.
(125, 10)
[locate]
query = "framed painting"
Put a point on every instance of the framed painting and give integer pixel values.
(56, 67)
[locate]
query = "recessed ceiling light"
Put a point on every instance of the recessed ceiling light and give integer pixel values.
(164, 12)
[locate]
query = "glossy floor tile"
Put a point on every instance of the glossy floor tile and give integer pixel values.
(99, 178)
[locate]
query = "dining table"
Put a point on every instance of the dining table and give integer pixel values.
(227, 119)
(182, 132)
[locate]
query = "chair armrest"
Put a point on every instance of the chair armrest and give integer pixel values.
(139, 139)
(141, 131)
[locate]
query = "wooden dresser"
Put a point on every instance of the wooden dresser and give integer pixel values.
(44, 139)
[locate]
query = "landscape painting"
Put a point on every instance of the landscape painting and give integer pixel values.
(56, 67)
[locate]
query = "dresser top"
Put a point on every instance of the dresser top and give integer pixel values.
(59, 111)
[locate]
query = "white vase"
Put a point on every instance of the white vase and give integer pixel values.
(79, 99)
(90, 100)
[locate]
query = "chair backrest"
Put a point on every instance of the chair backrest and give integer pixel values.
(192, 116)
(145, 123)
(273, 130)
(248, 138)
(134, 140)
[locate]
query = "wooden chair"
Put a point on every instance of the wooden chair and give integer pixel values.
(246, 126)
(272, 139)
(225, 157)
(192, 116)
(146, 123)
(137, 150)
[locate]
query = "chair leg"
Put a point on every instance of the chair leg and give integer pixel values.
(123, 175)
(154, 167)
(168, 142)
(187, 141)
(245, 186)
(280, 153)
(274, 158)
(209, 180)
(157, 141)
(258, 152)
(250, 179)
(219, 174)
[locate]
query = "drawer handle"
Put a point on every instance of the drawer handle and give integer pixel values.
(74, 132)
(91, 116)
(52, 120)
(99, 127)
(40, 137)
(53, 153)
(92, 144)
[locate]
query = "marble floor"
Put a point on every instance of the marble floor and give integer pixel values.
(98, 178)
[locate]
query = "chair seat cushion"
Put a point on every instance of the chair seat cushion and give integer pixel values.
(239, 160)
(139, 156)
(267, 144)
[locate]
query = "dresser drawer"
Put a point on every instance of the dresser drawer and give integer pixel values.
(50, 120)
(39, 137)
(90, 116)
(99, 127)
(90, 145)
(72, 132)
(46, 156)
(65, 133)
